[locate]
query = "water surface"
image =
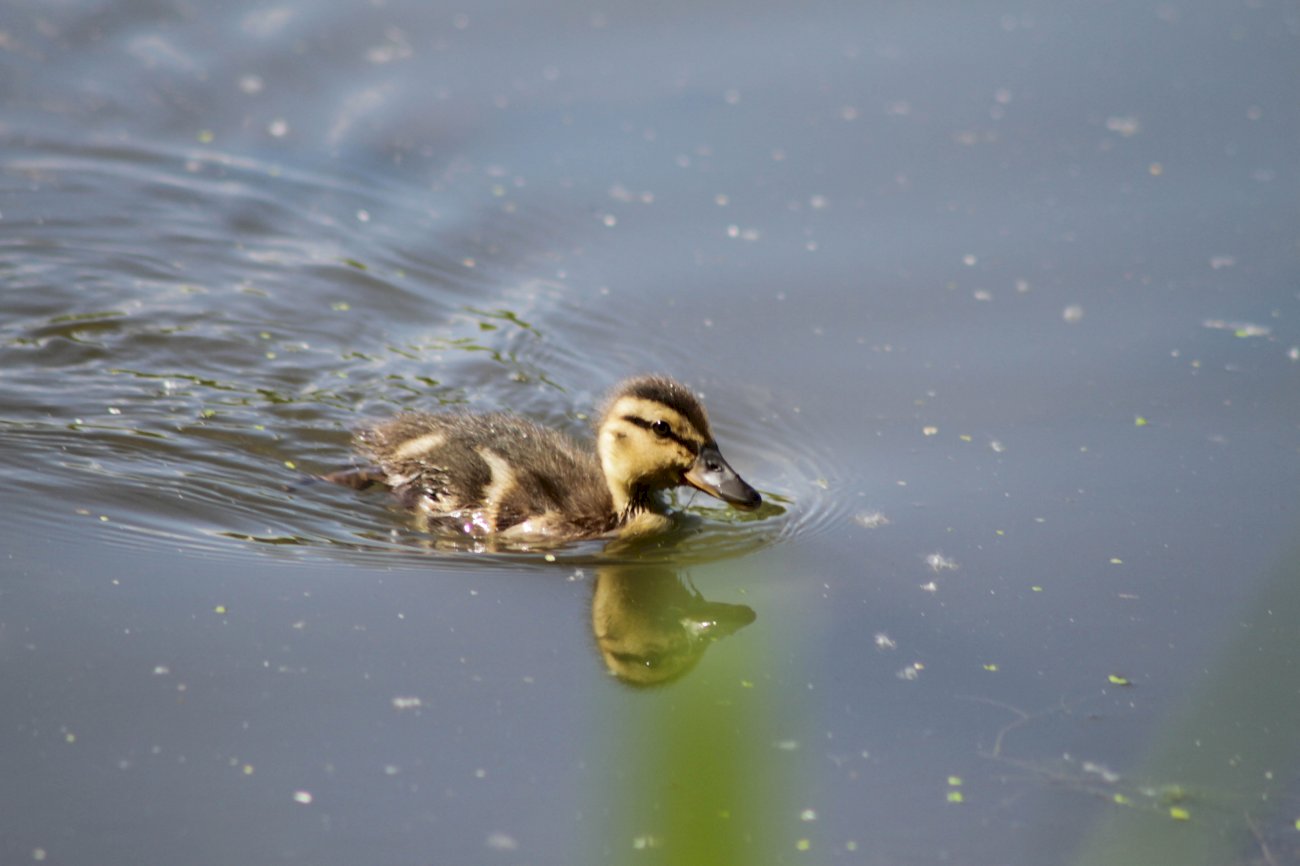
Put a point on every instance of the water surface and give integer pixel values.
(997, 305)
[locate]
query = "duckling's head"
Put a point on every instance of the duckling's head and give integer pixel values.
(654, 435)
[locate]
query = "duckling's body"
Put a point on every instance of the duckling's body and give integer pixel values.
(505, 476)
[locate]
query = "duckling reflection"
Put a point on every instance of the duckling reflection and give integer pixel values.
(651, 628)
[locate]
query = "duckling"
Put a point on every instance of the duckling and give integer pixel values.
(504, 476)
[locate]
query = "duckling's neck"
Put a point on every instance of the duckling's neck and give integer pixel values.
(632, 497)
(629, 501)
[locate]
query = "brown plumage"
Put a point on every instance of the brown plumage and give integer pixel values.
(506, 476)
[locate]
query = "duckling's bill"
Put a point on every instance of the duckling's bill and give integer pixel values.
(715, 477)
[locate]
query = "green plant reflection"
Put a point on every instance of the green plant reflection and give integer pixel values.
(695, 776)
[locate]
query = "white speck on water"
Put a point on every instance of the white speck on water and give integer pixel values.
(1106, 774)
(278, 128)
(609, 220)
(499, 841)
(938, 562)
(396, 48)
(303, 797)
(161, 670)
(731, 96)
(871, 519)
(251, 84)
(884, 641)
(402, 702)
(930, 587)
(982, 295)
(818, 202)
(618, 192)
(848, 113)
(1072, 313)
(808, 815)
(1238, 329)
(1220, 262)
(721, 199)
(363, 216)
(746, 234)
(969, 260)
(909, 673)
(1126, 126)
(1293, 353)
(997, 446)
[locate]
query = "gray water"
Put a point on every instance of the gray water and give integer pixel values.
(998, 304)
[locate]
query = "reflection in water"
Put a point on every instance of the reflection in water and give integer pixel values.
(699, 780)
(651, 627)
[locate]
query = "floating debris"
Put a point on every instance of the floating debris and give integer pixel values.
(954, 790)
(885, 642)
(938, 562)
(871, 519)
(1106, 774)
(1125, 125)
(1238, 329)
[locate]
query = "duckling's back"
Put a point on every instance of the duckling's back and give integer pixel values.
(487, 474)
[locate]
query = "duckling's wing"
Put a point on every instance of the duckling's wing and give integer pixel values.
(496, 471)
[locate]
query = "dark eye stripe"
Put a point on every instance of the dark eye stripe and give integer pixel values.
(671, 434)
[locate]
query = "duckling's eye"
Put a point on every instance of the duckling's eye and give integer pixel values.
(661, 428)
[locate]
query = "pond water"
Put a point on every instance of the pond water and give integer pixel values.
(998, 304)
